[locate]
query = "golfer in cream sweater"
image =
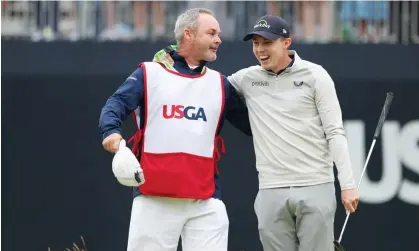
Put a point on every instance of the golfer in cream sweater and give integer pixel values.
(298, 133)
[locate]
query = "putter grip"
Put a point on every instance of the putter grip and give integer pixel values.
(384, 112)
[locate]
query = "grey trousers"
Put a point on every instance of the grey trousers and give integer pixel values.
(296, 218)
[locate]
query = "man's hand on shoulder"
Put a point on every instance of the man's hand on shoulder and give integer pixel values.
(350, 199)
(111, 142)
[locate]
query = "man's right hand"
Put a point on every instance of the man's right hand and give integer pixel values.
(111, 143)
(350, 199)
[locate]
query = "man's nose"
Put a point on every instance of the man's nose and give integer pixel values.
(218, 40)
(260, 48)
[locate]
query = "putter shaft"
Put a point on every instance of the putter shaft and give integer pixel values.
(359, 183)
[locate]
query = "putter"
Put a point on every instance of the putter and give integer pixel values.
(384, 112)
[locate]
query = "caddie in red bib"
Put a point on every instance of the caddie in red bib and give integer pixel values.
(179, 135)
(179, 106)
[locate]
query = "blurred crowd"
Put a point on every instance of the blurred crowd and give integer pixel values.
(311, 21)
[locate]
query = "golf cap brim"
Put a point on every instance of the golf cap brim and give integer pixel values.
(265, 34)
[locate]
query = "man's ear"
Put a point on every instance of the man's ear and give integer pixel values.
(287, 43)
(188, 34)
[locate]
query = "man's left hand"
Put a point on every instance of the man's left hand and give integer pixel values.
(350, 199)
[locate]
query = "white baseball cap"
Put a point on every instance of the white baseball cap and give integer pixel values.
(126, 168)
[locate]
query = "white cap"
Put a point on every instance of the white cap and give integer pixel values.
(126, 168)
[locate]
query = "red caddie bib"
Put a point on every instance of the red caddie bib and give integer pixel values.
(179, 141)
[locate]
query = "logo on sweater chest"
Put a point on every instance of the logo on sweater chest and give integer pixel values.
(260, 83)
(184, 112)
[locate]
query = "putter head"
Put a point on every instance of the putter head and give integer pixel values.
(338, 246)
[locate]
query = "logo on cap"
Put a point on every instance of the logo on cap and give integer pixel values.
(262, 23)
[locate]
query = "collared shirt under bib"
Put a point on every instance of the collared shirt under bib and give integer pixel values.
(179, 136)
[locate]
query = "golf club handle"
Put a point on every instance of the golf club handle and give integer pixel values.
(384, 112)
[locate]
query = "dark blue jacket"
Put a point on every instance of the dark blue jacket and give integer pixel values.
(130, 95)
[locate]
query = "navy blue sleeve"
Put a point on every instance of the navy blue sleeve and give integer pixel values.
(122, 103)
(235, 109)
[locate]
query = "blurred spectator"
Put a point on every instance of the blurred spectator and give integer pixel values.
(316, 20)
(115, 29)
(69, 19)
(54, 20)
(142, 19)
(364, 21)
(145, 16)
(15, 19)
(46, 20)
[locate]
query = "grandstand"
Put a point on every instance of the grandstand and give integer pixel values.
(312, 22)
